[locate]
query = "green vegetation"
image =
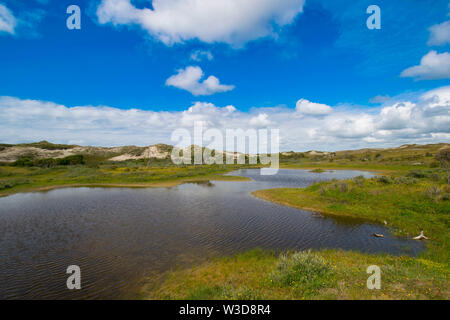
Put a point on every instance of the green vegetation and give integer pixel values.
(46, 145)
(49, 162)
(410, 194)
(92, 167)
(317, 170)
(326, 274)
(401, 159)
(410, 203)
(128, 174)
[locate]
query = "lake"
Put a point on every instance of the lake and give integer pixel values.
(121, 236)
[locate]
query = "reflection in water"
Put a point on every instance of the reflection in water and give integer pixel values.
(207, 184)
(119, 236)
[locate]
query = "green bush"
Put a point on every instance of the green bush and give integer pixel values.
(47, 145)
(23, 162)
(71, 160)
(10, 183)
(359, 180)
(306, 271)
(343, 187)
(405, 180)
(384, 180)
(434, 164)
(417, 174)
(49, 162)
(44, 163)
(433, 192)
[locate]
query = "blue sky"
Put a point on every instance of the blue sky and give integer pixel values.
(316, 50)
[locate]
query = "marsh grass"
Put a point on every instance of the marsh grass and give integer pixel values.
(325, 274)
(306, 272)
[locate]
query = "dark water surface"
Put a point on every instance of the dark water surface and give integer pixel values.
(119, 236)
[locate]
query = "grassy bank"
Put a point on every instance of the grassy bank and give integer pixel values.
(408, 203)
(327, 274)
(131, 174)
(412, 203)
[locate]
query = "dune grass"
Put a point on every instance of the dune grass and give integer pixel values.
(326, 274)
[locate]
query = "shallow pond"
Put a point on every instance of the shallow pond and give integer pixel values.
(119, 236)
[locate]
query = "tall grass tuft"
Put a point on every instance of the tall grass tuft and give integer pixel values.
(305, 271)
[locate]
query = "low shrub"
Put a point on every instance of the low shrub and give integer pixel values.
(343, 187)
(306, 271)
(434, 164)
(405, 180)
(417, 174)
(384, 179)
(359, 180)
(10, 183)
(77, 159)
(71, 160)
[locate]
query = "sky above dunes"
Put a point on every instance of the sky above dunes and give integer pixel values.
(138, 70)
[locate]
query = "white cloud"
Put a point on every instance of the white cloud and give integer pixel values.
(7, 20)
(432, 66)
(307, 107)
(190, 79)
(437, 97)
(231, 21)
(348, 126)
(439, 34)
(199, 55)
(396, 116)
(422, 119)
(260, 121)
(206, 113)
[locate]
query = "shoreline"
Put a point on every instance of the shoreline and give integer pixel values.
(170, 183)
(331, 168)
(159, 184)
(263, 195)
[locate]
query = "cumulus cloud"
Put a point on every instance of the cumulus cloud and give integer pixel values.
(260, 121)
(432, 66)
(189, 79)
(207, 114)
(7, 20)
(437, 97)
(396, 116)
(422, 119)
(439, 34)
(307, 107)
(230, 21)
